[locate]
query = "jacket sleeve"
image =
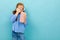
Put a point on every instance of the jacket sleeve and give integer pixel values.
(13, 18)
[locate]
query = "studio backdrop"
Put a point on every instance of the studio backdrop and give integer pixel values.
(43, 19)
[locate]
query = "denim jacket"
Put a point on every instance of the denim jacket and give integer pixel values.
(17, 26)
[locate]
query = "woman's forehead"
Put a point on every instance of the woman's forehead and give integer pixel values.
(20, 6)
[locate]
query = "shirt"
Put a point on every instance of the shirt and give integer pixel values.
(17, 26)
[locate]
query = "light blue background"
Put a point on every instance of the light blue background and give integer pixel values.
(43, 19)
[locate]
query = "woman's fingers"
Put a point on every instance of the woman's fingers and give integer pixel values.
(18, 10)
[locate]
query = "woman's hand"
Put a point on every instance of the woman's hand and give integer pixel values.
(17, 11)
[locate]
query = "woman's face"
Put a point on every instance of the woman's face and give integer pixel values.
(20, 7)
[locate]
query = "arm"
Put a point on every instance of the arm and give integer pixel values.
(23, 17)
(13, 17)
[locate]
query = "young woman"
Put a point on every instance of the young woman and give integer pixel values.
(18, 20)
